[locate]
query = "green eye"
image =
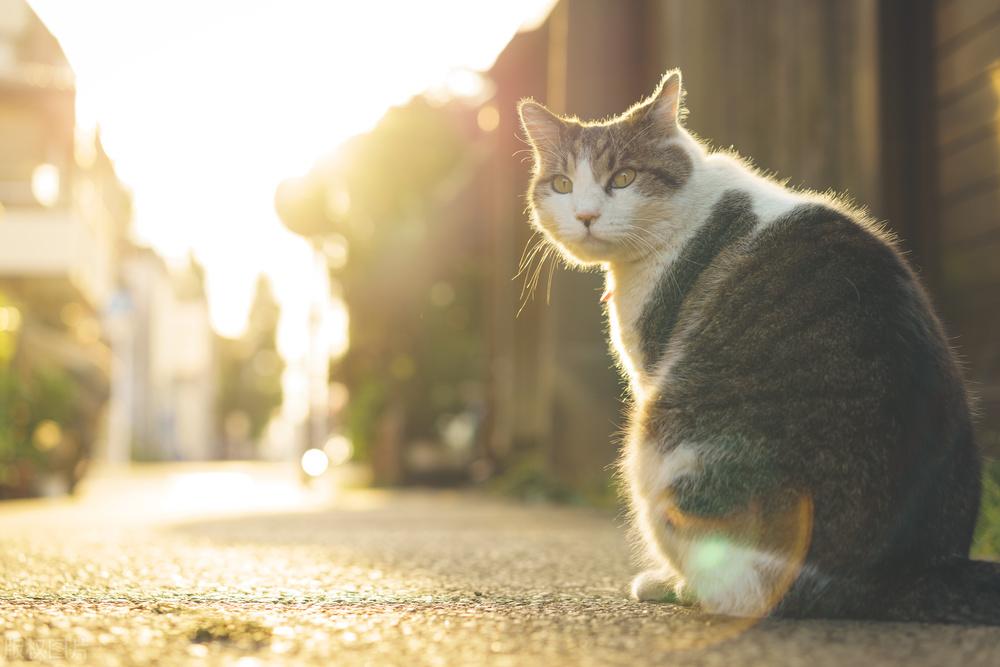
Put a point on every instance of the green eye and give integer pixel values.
(623, 178)
(562, 185)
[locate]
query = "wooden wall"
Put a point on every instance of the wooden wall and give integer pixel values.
(555, 391)
(967, 105)
(894, 102)
(791, 83)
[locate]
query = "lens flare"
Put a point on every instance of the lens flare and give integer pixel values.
(338, 449)
(314, 462)
(45, 184)
(760, 549)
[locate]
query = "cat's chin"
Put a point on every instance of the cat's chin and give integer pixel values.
(591, 251)
(583, 256)
(586, 249)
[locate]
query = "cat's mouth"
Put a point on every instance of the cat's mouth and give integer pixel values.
(593, 240)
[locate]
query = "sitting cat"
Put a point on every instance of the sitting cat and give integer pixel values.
(800, 441)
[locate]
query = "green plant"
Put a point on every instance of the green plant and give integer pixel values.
(367, 403)
(987, 540)
(27, 399)
(528, 479)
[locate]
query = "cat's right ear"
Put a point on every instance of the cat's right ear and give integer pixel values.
(541, 126)
(665, 104)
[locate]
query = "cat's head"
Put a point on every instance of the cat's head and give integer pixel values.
(609, 191)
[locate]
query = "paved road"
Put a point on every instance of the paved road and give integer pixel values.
(240, 565)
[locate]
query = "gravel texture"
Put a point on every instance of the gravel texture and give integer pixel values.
(240, 565)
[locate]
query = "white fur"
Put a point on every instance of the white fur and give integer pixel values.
(631, 282)
(743, 581)
(651, 471)
(656, 585)
(723, 576)
(636, 242)
(614, 234)
(732, 579)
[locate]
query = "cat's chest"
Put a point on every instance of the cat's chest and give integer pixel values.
(626, 302)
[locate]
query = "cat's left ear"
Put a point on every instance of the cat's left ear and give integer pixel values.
(541, 126)
(664, 105)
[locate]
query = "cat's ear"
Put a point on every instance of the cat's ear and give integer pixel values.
(664, 106)
(541, 126)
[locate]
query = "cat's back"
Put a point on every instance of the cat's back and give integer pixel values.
(815, 298)
(810, 321)
(809, 327)
(810, 333)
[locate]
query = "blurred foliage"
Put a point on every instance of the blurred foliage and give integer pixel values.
(411, 287)
(250, 370)
(377, 184)
(528, 479)
(29, 399)
(394, 171)
(368, 401)
(987, 540)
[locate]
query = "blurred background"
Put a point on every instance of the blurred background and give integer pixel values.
(294, 231)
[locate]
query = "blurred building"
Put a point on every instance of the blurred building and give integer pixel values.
(62, 215)
(166, 365)
(63, 209)
(107, 353)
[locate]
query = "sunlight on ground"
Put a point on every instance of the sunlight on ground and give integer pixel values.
(174, 491)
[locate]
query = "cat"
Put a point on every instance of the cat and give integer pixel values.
(800, 441)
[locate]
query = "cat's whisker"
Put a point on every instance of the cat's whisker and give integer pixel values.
(549, 252)
(531, 271)
(659, 237)
(526, 286)
(526, 260)
(531, 247)
(641, 243)
(552, 155)
(548, 289)
(531, 283)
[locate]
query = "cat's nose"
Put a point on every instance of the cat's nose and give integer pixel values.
(587, 217)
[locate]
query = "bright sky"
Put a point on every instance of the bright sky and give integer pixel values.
(205, 106)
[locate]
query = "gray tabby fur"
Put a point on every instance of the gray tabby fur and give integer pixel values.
(800, 440)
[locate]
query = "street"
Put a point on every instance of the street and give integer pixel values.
(239, 564)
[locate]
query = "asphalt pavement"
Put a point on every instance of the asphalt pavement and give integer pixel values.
(240, 564)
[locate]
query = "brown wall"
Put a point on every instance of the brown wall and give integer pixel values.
(555, 391)
(818, 91)
(967, 105)
(791, 84)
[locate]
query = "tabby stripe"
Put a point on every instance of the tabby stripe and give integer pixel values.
(731, 220)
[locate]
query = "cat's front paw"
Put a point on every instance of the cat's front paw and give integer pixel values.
(659, 586)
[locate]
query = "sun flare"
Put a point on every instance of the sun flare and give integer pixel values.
(205, 107)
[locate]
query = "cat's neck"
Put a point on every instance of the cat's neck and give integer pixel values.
(713, 175)
(629, 284)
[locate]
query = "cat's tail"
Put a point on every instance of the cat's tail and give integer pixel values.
(958, 591)
(961, 591)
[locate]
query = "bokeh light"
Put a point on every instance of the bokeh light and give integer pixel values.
(45, 184)
(314, 462)
(338, 449)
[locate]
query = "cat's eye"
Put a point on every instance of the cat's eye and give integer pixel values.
(623, 178)
(562, 185)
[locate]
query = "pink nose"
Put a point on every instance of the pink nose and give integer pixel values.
(587, 217)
